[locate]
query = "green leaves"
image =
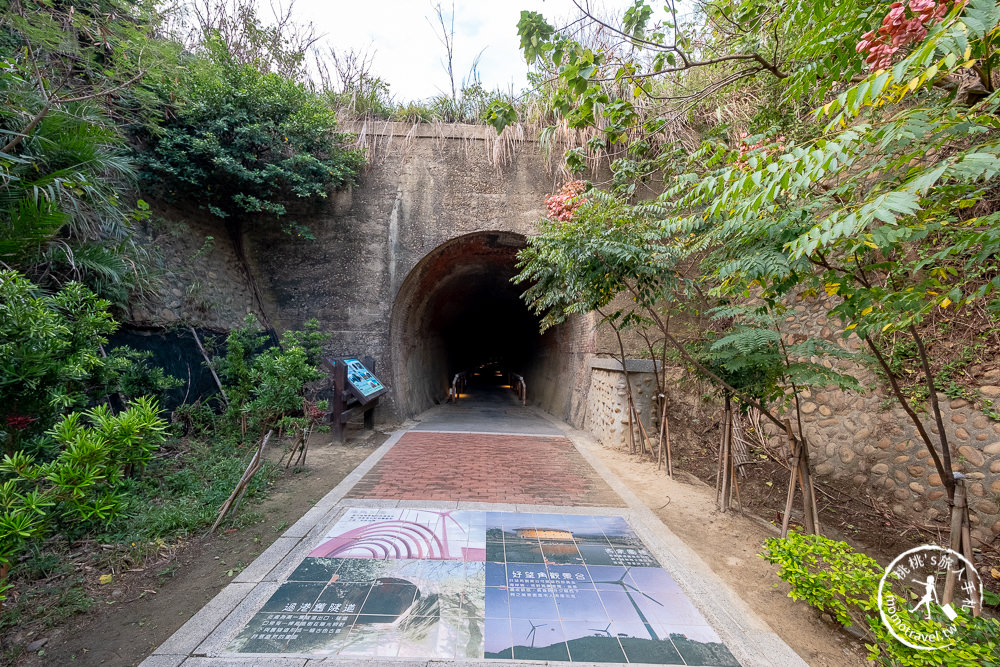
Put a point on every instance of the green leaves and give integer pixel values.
(48, 352)
(82, 486)
(535, 32)
(582, 265)
(500, 114)
(980, 17)
(246, 141)
(265, 382)
(636, 18)
(830, 576)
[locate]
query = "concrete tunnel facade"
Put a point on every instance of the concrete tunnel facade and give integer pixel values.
(414, 266)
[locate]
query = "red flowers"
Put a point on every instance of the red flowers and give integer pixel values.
(312, 411)
(900, 28)
(19, 422)
(562, 206)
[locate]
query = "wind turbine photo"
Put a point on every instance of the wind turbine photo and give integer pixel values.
(606, 632)
(628, 588)
(532, 632)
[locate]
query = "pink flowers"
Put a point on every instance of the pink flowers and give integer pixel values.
(561, 206)
(901, 28)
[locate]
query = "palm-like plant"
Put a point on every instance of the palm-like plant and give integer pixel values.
(61, 211)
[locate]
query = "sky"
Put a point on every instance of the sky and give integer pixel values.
(406, 47)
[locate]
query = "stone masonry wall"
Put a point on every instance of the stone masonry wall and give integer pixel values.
(607, 415)
(202, 280)
(425, 186)
(869, 440)
(863, 440)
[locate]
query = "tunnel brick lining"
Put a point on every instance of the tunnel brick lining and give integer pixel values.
(488, 468)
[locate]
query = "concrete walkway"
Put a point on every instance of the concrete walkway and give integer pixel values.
(485, 531)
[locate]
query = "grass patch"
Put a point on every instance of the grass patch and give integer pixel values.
(183, 497)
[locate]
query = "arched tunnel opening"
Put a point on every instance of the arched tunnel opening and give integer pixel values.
(458, 311)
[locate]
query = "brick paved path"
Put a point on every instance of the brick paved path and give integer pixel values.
(480, 467)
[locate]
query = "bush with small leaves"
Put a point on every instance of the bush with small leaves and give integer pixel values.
(832, 577)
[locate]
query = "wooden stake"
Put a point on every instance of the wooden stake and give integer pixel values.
(957, 519)
(256, 463)
(293, 450)
(793, 465)
(659, 444)
(977, 602)
(644, 435)
(208, 362)
(718, 468)
(305, 447)
(666, 434)
(726, 453)
(807, 477)
(631, 426)
(736, 484)
(807, 513)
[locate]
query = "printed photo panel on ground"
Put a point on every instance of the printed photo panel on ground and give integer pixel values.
(467, 584)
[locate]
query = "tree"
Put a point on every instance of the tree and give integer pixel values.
(888, 215)
(49, 354)
(66, 209)
(281, 46)
(612, 258)
(626, 79)
(887, 206)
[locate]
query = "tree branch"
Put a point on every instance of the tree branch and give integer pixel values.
(906, 407)
(38, 117)
(949, 479)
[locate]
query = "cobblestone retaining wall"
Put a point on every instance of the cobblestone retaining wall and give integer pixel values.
(869, 440)
(202, 280)
(607, 415)
(863, 440)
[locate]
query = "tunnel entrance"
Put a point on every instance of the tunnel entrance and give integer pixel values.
(457, 310)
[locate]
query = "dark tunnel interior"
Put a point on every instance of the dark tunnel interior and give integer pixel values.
(481, 319)
(459, 310)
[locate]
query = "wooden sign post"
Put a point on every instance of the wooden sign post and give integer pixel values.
(355, 389)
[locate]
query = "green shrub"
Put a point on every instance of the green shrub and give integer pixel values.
(832, 577)
(49, 354)
(81, 488)
(265, 383)
(131, 374)
(51, 360)
(245, 141)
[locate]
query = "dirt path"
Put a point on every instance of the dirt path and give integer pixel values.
(143, 609)
(729, 544)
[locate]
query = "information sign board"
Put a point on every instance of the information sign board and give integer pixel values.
(362, 380)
